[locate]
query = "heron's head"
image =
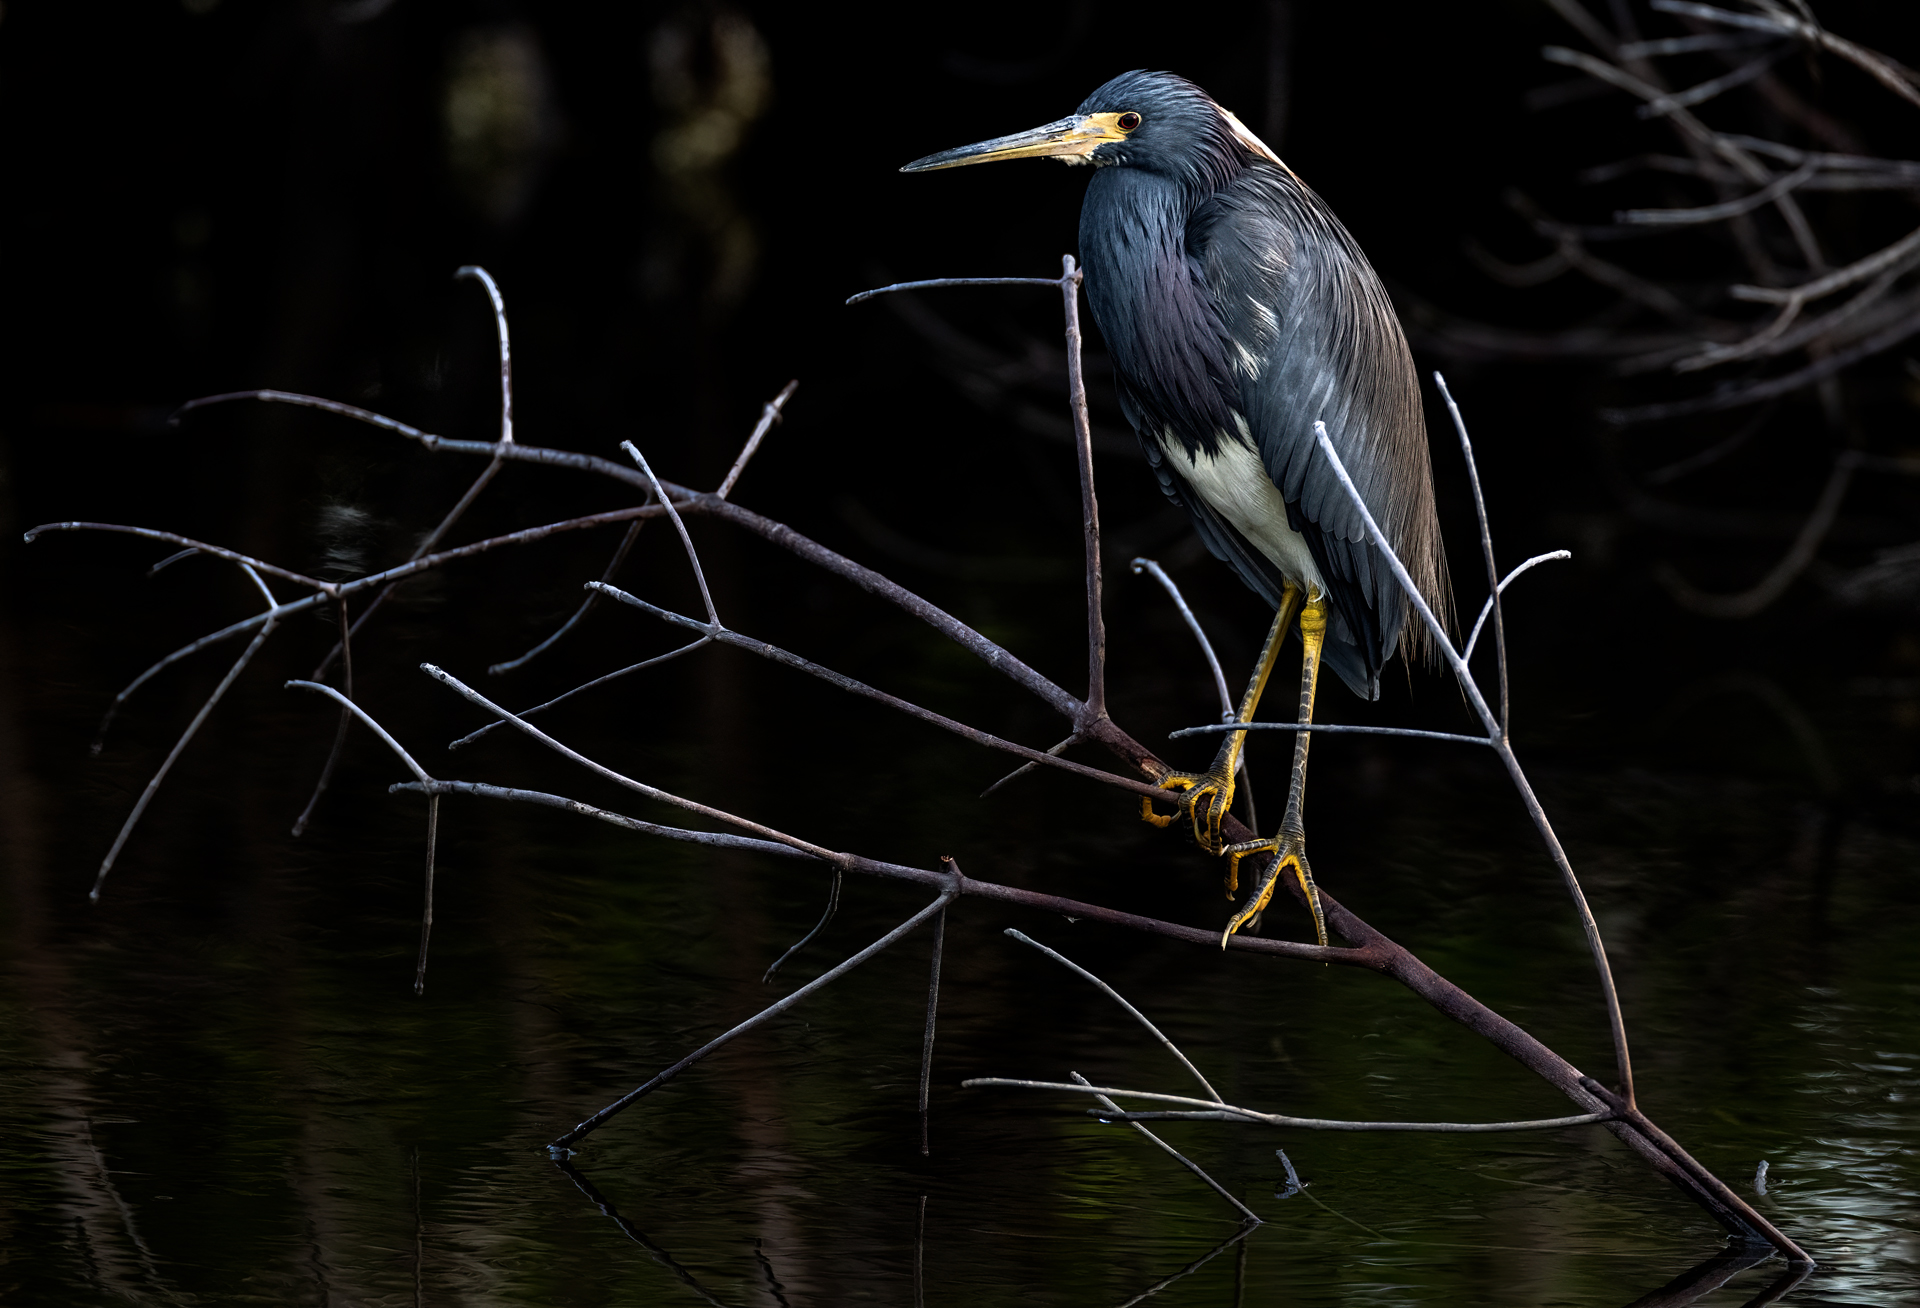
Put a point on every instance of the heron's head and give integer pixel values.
(1159, 122)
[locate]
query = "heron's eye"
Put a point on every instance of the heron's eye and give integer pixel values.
(1127, 122)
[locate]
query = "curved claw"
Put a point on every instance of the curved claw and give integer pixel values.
(1204, 799)
(1288, 852)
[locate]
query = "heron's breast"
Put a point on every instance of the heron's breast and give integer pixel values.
(1234, 482)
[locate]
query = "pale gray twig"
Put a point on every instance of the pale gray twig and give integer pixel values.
(693, 555)
(1210, 1111)
(1121, 1000)
(599, 1119)
(1227, 710)
(773, 653)
(586, 605)
(1177, 1156)
(179, 747)
(657, 659)
(769, 415)
(1551, 556)
(1330, 728)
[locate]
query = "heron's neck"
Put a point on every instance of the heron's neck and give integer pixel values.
(1152, 310)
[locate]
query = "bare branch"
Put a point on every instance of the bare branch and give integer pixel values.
(1330, 728)
(769, 415)
(1070, 278)
(586, 605)
(1714, 213)
(1214, 1112)
(773, 653)
(833, 906)
(173, 755)
(1159, 574)
(1889, 74)
(1550, 557)
(1800, 379)
(1119, 999)
(386, 737)
(1494, 585)
(693, 555)
(885, 942)
(638, 787)
(149, 533)
(937, 282)
(1109, 1106)
(657, 659)
(475, 273)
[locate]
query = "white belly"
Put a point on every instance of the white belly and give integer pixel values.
(1236, 485)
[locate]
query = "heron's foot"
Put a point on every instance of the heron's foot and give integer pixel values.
(1203, 798)
(1289, 850)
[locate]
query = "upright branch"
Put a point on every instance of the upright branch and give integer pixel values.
(1070, 279)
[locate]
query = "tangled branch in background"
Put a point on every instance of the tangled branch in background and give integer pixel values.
(1783, 204)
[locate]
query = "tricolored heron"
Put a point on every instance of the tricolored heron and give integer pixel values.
(1238, 311)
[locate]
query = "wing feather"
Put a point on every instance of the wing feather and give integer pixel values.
(1317, 339)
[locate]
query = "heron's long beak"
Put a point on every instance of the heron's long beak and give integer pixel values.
(1072, 138)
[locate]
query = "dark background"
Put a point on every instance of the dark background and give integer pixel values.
(224, 194)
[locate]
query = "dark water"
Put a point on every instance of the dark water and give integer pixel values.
(218, 1087)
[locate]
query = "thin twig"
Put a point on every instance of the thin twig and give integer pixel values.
(1159, 574)
(936, 282)
(473, 272)
(1330, 728)
(1227, 710)
(386, 737)
(693, 555)
(1209, 1111)
(1738, 397)
(933, 1009)
(1237, 1239)
(1714, 213)
(340, 732)
(599, 1119)
(1551, 556)
(586, 605)
(148, 533)
(1119, 999)
(426, 905)
(1494, 584)
(561, 698)
(1025, 768)
(173, 755)
(1882, 69)
(638, 787)
(773, 653)
(1053, 905)
(1184, 1161)
(769, 415)
(833, 906)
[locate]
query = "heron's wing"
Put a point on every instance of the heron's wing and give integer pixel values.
(1311, 335)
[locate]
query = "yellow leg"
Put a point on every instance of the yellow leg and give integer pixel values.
(1205, 797)
(1289, 847)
